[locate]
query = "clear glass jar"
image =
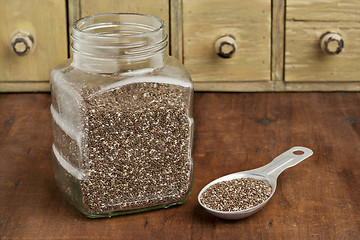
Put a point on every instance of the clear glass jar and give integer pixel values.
(122, 118)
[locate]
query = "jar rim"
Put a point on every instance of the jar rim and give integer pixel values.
(115, 39)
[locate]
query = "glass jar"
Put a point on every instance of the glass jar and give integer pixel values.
(122, 118)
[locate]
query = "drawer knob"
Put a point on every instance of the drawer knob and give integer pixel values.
(22, 43)
(225, 46)
(331, 43)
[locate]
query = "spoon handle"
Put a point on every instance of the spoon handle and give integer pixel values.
(285, 160)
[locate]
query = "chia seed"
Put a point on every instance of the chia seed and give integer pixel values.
(135, 147)
(236, 195)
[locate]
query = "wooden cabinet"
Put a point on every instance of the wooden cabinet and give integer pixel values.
(33, 39)
(305, 61)
(244, 27)
(227, 45)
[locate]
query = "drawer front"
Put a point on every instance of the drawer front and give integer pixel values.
(33, 39)
(305, 60)
(243, 25)
(158, 8)
(323, 10)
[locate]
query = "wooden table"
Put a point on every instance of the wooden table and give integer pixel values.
(317, 199)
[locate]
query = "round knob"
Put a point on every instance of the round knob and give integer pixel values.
(225, 46)
(22, 43)
(331, 43)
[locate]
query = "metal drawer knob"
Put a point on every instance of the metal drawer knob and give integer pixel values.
(225, 46)
(22, 43)
(331, 43)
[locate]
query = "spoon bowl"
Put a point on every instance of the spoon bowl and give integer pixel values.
(268, 173)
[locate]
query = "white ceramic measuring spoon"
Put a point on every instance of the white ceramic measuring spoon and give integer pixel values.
(268, 173)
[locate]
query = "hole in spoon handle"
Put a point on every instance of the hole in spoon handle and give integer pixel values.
(285, 160)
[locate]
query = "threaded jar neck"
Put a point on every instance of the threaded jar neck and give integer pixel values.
(118, 42)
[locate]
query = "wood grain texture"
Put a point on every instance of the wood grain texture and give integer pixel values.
(323, 10)
(236, 86)
(46, 21)
(306, 62)
(317, 199)
(276, 86)
(158, 8)
(20, 86)
(176, 27)
(322, 86)
(278, 36)
(73, 12)
(73, 15)
(204, 21)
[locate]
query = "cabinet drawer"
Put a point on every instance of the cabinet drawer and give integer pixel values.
(248, 22)
(33, 39)
(323, 10)
(305, 61)
(306, 24)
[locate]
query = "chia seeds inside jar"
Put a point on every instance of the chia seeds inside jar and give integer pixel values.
(122, 118)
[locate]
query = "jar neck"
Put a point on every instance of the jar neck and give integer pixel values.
(119, 42)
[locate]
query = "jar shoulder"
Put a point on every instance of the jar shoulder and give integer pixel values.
(174, 68)
(84, 84)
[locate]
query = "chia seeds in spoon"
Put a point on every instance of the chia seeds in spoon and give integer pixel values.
(236, 195)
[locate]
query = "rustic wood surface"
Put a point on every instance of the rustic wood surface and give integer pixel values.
(317, 199)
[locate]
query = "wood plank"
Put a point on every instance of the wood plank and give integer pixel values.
(305, 61)
(46, 22)
(73, 15)
(321, 86)
(233, 86)
(21, 86)
(176, 25)
(277, 40)
(276, 86)
(323, 10)
(248, 21)
(73, 12)
(158, 8)
(317, 199)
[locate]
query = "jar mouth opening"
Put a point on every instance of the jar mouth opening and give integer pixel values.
(114, 25)
(119, 36)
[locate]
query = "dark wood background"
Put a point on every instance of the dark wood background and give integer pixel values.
(317, 199)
